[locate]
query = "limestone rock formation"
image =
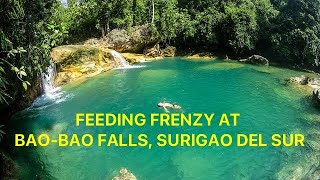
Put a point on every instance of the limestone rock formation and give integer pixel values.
(257, 60)
(134, 41)
(305, 80)
(124, 174)
(75, 62)
(314, 82)
(309, 81)
(155, 51)
(169, 51)
(302, 80)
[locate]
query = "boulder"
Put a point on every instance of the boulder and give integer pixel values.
(134, 41)
(155, 51)
(316, 97)
(75, 62)
(302, 80)
(313, 81)
(169, 51)
(119, 40)
(257, 60)
(124, 174)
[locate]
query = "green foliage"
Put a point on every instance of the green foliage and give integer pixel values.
(209, 22)
(290, 29)
(166, 15)
(26, 38)
(2, 133)
(297, 35)
(240, 26)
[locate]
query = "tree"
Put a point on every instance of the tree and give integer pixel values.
(296, 34)
(238, 30)
(114, 14)
(25, 43)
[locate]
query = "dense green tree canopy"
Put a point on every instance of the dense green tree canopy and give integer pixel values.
(285, 30)
(26, 38)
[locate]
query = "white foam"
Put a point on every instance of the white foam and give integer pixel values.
(121, 61)
(51, 95)
(132, 67)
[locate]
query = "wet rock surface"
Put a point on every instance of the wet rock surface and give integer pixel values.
(124, 174)
(257, 60)
(302, 80)
(75, 62)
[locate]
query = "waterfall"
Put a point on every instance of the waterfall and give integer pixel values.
(51, 94)
(121, 62)
(48, 77)
(119, 59)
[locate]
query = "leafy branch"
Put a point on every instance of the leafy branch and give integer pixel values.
(20, 72)
(2, 133)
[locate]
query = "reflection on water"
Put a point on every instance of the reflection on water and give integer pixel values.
(266, 105)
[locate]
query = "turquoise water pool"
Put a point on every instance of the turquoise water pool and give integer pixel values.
(266, 105)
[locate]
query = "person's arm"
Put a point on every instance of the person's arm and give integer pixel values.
(165, 109)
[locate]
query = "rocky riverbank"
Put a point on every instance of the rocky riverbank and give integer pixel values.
(313, 82)
(76, 62)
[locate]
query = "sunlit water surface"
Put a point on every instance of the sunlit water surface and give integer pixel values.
(266, 105)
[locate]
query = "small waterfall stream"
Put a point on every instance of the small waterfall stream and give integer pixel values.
(119, 59)
(48, 77)
(51, 94)
(121, 62)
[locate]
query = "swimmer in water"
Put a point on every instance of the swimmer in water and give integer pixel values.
(166, 105)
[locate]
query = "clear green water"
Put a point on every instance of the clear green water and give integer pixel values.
(266, 106)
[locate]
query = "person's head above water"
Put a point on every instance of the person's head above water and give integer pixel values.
(160, 104)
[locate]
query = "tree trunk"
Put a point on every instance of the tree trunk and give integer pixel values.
(103, 32)
(152, 21)
(108, 27)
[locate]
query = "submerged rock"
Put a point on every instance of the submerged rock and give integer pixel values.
(305, 80)
(124, 174)
(256, 59)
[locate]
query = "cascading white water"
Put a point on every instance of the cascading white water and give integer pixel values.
(121, 62)
(51, 94)
(47, 78)
(119, 59)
